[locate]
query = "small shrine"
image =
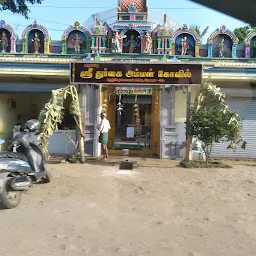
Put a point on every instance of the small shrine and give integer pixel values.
(76, 40)
(8, 38)
(36, 39)
(131, 31)
(186, 41)
(99, 38)
(165, 43)
(222, 43)
(250, 45)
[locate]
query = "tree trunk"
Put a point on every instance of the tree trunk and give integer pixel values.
(81, 140)
(189, 148)
(79, 121)
(188, 137)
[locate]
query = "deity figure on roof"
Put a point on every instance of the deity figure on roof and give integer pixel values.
(184, 46)
(4, 42)
(148, 43)
(36, 42)
(77, 42)
(133, 42)
(116, 42)
(222, 47)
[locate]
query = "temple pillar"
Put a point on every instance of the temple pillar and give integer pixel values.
(93, 44)
(98, 42)
(172, 46)
(64, 44)
(197, 49)
(24, 45)
(155, 121)
(103, 44)
(169, 146)
(13, 44)
(234, 51)
(88, 45)
(247, 50)
(172, 105)
(164, 43)
(158, 45)
(104, 41)
(46, 45)
(209, 50)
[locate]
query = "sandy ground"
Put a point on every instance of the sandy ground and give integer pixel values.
(157, 209)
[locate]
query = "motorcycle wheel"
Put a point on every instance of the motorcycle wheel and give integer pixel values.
(9, 197)
(47, 177)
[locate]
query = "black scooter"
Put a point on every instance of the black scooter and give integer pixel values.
(20, 169)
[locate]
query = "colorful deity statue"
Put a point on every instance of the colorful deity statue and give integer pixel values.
(77, 42)
(222, 47)
(36, 42)
(116, 42)
(4, 42)
(133, 43)
(148, 43)
(184, 46)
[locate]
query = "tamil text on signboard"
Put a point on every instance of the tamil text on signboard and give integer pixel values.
(136, 73)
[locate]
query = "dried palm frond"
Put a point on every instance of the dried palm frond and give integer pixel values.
(52, 114)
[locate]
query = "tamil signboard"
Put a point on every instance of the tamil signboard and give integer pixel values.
(135, 73)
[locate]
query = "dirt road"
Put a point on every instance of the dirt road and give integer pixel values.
(157, 209)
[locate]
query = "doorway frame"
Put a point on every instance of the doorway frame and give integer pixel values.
(109, 99)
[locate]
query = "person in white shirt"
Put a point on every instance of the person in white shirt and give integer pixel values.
(103, 139)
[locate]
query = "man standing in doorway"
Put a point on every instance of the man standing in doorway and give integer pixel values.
(103, 139)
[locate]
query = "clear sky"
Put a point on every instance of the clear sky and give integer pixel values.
(57, 15)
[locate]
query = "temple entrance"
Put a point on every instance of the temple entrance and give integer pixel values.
(134, 118)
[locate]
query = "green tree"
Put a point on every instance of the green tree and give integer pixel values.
(18, 6)
(242, 32)
(211, 121)
(211, 125)
(200, 32)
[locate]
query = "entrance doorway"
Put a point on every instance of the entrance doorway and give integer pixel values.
(134, 118)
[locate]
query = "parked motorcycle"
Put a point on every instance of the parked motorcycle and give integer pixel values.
(20, 169)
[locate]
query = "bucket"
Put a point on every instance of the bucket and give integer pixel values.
(125, 152)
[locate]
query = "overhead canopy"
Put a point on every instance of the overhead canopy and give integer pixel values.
(240, 9)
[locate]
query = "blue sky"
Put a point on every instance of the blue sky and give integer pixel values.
(56, 15)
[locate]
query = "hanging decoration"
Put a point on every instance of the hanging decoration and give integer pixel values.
(104, 106)
(137, 117)
(119, 106)
(156, 105)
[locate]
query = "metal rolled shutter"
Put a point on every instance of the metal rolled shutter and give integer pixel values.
(246, 108)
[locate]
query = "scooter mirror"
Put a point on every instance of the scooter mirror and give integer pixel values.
(2, 141)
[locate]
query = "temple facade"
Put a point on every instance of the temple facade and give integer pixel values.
(144, 119)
